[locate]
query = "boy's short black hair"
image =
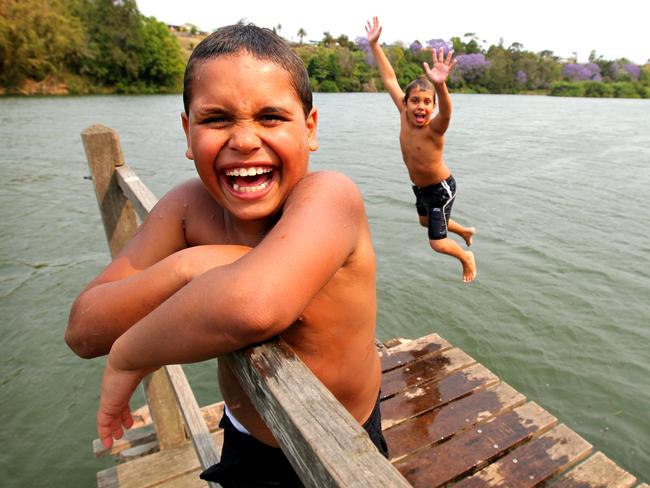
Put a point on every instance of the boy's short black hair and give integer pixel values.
(259, 42)
(421, 83)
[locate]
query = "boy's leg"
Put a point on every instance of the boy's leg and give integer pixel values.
(450, 247)
(465, 232)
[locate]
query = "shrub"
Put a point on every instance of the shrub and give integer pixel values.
(625, 89)
(567, 89)
(597, 89)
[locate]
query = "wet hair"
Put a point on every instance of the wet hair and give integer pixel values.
(421, 83)
(262, 43)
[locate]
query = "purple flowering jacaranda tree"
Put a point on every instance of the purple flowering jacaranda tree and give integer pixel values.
(633, 70)
(364, 45)
(415, 47)
(439, 43)
(581, 72)
(470, 67)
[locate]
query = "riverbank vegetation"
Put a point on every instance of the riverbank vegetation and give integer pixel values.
(107, 46)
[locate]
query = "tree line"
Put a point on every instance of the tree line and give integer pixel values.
(108, 45)
(91, 45)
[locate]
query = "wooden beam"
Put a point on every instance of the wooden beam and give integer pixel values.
(104, 155)
(597, 471)
(534, 462)
(472, 449)
(164, 409)
(198, 430)
(142, 199)
(325, 445)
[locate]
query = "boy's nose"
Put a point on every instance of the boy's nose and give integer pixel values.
(244, 140)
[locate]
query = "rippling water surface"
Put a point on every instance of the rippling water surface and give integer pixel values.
(557, 188)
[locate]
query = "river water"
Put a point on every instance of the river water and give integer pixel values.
(557, 188)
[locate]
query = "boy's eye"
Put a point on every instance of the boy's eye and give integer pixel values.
(216, 120)
(271, 119)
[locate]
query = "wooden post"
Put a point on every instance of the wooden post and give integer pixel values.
(104, 155)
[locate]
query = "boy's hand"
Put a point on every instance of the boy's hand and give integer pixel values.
(114, 414)
(441, 66)
(373, 30)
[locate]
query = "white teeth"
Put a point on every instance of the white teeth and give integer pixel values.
(250, 189)
(247, 171)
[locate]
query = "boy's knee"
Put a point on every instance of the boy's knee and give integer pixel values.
(437, 245)
(424, 221)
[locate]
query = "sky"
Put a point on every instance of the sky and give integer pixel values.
(613, 29)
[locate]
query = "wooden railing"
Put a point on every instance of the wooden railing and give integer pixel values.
(325, 445)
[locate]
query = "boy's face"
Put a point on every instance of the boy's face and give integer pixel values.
(247, 134)
(419, 107)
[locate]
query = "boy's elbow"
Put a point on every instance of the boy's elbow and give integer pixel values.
(259, 320)
(78, 338)
(79, 345)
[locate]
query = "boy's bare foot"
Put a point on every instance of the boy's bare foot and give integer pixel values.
(469, 267)
(468, 234)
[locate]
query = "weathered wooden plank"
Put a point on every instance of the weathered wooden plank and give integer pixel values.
(424, 369)
(532, 463)
(138, 451)
(186, 480)
(469, 450)
(438, 425)
(198, 430)
(422, 398)
(104, 154)
(325, 445)
(142, 199)
(412, 350)
(164, 410)
(596, 472)
(156, 468)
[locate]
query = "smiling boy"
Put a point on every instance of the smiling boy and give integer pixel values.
(254, 248)
(422, 141)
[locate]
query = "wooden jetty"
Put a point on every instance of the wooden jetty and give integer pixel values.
(447, 419)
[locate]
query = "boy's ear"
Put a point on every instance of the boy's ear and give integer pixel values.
(186, 128)
(312, 122)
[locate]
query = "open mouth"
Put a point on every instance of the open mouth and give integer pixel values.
(249, 180)
(419, 117)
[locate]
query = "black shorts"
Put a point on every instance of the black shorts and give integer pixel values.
(435, 202)
(248, 463)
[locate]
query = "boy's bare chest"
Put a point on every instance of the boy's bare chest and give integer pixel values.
(420, 146)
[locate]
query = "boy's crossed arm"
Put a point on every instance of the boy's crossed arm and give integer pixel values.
(154, 265)
(254, 298)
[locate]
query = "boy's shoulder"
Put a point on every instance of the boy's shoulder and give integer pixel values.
(333, 186)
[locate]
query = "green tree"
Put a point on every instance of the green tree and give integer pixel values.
(301, 34)
(161, 61)
(37, 38)
(115, 40)
(328, 40)
(500, 78)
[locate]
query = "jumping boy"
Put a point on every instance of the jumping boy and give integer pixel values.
(254, 248)
(422, 141)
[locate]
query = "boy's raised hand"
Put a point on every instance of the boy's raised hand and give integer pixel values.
(373, 30)
(441, 66)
